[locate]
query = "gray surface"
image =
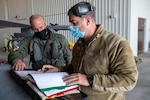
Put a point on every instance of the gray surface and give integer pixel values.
(9, 89)
(142, 89)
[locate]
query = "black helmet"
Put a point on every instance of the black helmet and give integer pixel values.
(81, 9)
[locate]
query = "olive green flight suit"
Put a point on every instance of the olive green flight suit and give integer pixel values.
(45, 47)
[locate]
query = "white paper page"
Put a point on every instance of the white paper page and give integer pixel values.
(24, 73)
(46, 80)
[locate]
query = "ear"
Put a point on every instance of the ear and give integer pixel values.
(88, 20)
(45, 24)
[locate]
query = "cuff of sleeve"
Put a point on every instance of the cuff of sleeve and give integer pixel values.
(60, 68)
(15, 60)
(90, 79)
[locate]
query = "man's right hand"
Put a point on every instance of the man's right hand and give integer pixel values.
(48, 68)
(19, 65)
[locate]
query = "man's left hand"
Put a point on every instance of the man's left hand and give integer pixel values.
(76, 78)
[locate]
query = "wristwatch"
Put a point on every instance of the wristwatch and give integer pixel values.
(90, 79)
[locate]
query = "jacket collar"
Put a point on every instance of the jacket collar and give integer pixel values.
(99, 32)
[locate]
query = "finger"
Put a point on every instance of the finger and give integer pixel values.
(67, 78)
(71, 82)
(13, 67)
(70, 77)
(23, 66)
(43, 68)
(39, 70)
(18, 67)
(50, 70)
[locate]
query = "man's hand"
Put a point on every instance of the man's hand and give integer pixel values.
(48, 68)
(76, 78)
(19, 65)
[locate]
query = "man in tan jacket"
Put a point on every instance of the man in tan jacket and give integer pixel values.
(103, 64)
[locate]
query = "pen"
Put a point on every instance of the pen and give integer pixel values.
(46, 69)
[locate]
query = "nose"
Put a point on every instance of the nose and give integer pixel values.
(37, 30)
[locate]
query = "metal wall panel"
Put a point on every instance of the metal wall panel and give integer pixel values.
(113, 14)
(2, 9)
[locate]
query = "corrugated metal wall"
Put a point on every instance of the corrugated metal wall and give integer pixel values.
(113, 14)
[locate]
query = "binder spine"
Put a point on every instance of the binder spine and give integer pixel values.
(24, 85)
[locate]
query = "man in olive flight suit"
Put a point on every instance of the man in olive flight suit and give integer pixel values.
(45, 47)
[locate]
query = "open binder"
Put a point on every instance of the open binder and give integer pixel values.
(36, 93)
(23, 83)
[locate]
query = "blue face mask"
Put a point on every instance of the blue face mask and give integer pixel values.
(76, 32)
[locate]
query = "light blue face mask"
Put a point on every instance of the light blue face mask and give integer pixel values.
(76, 32)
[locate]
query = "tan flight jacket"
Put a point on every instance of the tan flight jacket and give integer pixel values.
(109, 58)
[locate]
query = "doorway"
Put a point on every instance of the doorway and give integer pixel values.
(141, 30)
